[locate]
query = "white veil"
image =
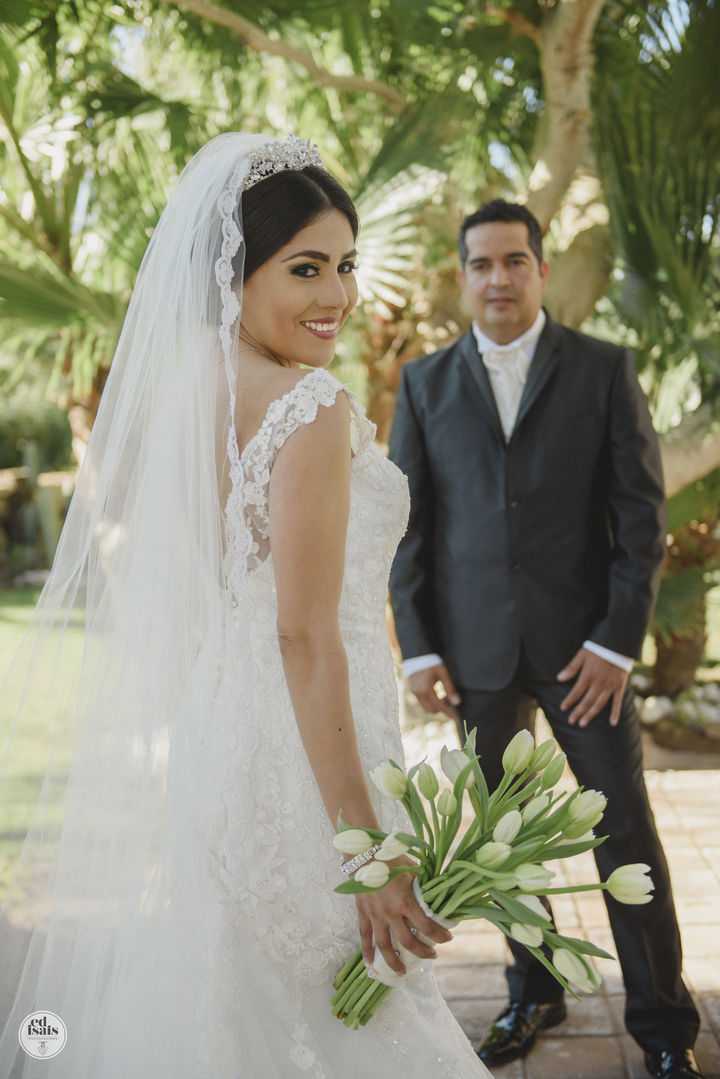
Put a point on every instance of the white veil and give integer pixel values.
(140, 562)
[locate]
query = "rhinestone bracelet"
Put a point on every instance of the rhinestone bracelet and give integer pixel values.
(352, 864)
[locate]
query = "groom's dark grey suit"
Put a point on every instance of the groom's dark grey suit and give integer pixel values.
(515, 554)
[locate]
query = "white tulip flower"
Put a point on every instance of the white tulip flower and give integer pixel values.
(533, 903)
(389, 780)
(373, 875)
(517, 755)
(391, 847)
(535, 807)
(352, 841)
(542, 755)
(531, 935)
(581, 973)
(585, 812)
(631, 884)
(427, 781)
(507, 827)
(447, 804)
(453, 762)
(553, 772)
(491, 855)
(530, 877)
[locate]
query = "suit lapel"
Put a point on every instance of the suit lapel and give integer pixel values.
(542, 367)
(476, 381)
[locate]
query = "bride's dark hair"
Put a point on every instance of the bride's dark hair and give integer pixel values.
(276, 209)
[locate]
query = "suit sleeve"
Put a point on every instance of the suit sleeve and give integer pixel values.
(411, 584)
(637, 516)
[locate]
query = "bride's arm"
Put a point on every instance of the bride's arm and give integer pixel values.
(309, 503)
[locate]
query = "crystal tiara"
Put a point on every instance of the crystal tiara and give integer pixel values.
(292, 152)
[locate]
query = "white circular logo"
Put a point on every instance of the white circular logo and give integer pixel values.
(42, 1035)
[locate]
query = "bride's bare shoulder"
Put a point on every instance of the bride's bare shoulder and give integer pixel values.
(257, 389)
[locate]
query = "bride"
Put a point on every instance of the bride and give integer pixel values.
(228, 546)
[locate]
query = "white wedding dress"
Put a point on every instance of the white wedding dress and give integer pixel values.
(273, 864)
(234, 980)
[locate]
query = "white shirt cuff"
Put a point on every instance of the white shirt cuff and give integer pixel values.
(617, 658)
(420, 663)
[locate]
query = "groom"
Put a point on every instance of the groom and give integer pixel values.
(527, 576)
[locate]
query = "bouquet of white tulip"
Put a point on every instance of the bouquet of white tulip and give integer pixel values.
(494, 871)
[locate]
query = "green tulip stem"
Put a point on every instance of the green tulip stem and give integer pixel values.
(457, 899)
(349, 966)
(573, 888)
(362, 998)
(474, 830)
(359, 988)
(371, 1008)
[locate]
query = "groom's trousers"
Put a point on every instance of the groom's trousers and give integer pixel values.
(659, 1012)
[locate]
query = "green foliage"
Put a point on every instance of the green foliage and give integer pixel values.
(43, 423)
(680, 607)
(694, 566)
(657, 138)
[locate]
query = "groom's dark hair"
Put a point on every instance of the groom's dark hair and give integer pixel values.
(500, 210)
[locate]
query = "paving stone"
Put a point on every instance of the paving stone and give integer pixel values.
(703, 972)
(711, 1008)
(482, 948)
(581, 1058)
(633, 1058)
(696, 939)
(707, 1052)
(470, 980)
(476, 1016)
(516, 1070)
(591, 1015)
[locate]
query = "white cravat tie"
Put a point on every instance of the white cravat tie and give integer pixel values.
(507, 367)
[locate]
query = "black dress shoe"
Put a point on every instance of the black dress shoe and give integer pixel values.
(513, 1033)
(681, 1065)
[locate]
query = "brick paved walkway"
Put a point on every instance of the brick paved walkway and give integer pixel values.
(592, 1043)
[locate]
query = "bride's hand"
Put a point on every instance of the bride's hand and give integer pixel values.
(394, 909)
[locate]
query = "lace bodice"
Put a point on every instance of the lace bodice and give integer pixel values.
(379, 500)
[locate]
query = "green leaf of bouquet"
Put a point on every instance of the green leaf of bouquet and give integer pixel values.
(491, 914)
(569, 850)
(418, 817)
(413, 840)
(343, 826)
(555, 973)
(577, 944)
(354, 887)
(470, 739)
(518, 910)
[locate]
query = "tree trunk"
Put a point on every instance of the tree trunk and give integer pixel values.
(677, 659)
(566, 63)
(690, 450)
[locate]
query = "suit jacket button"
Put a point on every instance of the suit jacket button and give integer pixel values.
(516, 565)
(513, 503)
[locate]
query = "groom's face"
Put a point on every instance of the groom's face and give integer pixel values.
(502, 281)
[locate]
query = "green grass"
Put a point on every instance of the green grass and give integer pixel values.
(27, 759)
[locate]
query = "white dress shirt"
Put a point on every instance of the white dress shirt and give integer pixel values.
(507, 367)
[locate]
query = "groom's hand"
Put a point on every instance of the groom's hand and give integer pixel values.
(434, 689)
(597, 682)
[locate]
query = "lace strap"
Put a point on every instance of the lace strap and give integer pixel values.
(300, 406)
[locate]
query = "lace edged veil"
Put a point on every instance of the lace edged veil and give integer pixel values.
(139, 562)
